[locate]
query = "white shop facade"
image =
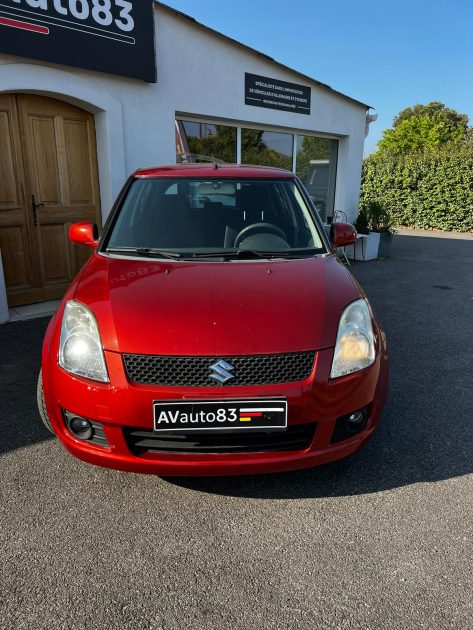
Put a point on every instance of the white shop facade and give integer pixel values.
(90, 96)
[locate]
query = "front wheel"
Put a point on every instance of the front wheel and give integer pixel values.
(42, 405)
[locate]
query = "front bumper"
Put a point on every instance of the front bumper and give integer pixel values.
(121, 405)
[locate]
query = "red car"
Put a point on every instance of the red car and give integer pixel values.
(213, 331)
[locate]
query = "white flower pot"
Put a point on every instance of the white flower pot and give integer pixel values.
(365, 248)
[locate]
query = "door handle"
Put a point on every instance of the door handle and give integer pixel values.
(35, 205)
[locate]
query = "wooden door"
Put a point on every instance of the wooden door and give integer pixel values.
(48, 180)
(16, 234)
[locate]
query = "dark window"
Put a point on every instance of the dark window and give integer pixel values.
(215, 215)
(267, 148)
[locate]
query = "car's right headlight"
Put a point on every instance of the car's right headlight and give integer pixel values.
(354, 349)
(80, 346)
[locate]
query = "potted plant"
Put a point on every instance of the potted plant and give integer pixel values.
(367, 243)
(375, 229)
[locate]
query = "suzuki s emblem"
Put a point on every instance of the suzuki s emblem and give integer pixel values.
(222, 371)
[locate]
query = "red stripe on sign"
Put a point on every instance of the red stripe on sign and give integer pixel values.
(250, 415)
(25, 26)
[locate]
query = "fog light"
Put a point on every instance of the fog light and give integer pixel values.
(90, 431)
(351, 424)
(356, 421)
(81, 428)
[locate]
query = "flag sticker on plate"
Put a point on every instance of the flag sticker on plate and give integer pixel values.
(252, 413)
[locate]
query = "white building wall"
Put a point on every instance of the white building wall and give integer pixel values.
(199, 73)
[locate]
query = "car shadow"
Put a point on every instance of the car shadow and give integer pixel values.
(390, 461)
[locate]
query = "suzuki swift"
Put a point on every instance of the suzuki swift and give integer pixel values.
(213, 331)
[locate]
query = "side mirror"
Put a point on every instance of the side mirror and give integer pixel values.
(84, 233)
(342, 234)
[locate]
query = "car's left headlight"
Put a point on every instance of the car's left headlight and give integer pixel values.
(354, 349)
(80, 346)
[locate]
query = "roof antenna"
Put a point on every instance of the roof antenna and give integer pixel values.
(215, 166)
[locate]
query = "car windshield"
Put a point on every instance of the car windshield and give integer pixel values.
(202, 218)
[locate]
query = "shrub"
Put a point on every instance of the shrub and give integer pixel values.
(430, 190)
(378, 216)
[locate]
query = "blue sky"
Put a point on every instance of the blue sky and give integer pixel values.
(390, 54)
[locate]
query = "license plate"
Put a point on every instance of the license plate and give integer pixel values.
(218, 415)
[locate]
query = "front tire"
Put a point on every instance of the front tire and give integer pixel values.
(42, 404)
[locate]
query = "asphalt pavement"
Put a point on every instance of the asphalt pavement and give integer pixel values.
(380, 540)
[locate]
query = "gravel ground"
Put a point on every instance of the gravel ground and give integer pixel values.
(381, 540)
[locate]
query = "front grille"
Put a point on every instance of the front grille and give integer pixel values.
(295, 438)
(258, 369)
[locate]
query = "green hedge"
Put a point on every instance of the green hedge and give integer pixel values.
(429, 190)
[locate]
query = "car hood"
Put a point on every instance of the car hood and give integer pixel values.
(216, 308)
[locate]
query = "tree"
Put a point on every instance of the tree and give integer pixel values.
(435, 110)
(422, 127)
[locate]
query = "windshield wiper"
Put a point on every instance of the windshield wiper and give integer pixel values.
(238, 253)
(142, 251)
(253, 253)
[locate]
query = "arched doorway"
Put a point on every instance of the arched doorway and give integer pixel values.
(48, 180)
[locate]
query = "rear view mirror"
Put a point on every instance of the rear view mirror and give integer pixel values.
(342, 234)
(84, 233)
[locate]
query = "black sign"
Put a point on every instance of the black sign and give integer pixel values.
(115, 36)
(276, 94)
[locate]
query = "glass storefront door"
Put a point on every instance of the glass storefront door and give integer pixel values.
(316, 165)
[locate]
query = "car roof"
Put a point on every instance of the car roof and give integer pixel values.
(234, 171)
